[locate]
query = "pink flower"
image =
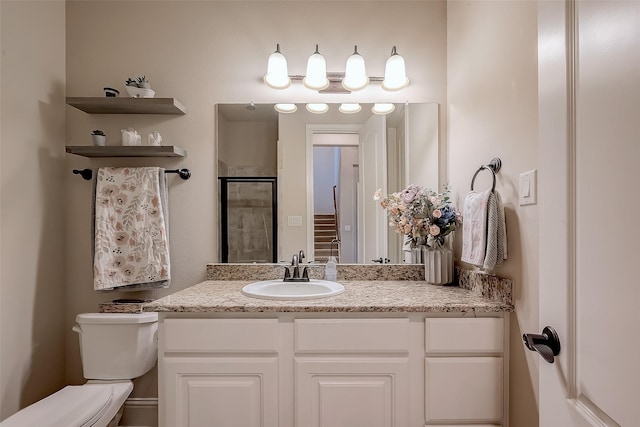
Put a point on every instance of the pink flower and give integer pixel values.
(437, 213)
(410, 193)
(434, 230)
(378, 194)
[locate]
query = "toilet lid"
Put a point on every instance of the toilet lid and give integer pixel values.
(73, 406)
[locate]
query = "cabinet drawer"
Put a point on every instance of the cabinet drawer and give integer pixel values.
(352, 335)
(479, 335)
(221, 335)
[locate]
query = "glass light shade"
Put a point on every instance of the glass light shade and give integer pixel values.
(395, 75)
(355, 76)
(317, 108)
(382, 108)
(285, 108)
(277, 75)
(316, 78)
(349, 108)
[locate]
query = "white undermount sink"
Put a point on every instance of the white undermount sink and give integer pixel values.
(281, 290)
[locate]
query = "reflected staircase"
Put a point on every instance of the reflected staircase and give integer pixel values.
(324, 232)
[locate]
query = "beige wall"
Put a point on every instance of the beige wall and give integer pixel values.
(492, 112)
(32, 293)
(205, 53)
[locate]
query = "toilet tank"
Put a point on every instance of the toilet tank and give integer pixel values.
(117, 346)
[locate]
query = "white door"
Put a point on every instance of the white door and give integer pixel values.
(589, 93)
(372, 241)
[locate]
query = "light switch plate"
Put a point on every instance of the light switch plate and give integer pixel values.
(528, 188)
(294, 221)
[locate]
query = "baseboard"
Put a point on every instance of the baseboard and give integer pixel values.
(140, 412)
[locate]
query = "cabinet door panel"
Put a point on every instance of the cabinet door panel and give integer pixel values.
(464, 389)
(221, 392)
(352, 392)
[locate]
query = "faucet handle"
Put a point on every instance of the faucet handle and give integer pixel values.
(301, 256)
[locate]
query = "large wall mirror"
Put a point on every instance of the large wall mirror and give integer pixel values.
(298, 181)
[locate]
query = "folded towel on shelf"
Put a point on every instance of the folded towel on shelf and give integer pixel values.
(474, 227)
(131, 232)
(484, 238)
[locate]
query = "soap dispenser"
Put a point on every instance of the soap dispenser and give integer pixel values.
(331, 268)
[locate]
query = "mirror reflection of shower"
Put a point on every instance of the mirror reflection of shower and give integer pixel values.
(248, 213)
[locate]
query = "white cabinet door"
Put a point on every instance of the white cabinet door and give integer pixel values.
(352, 392)
(221, 392)
(463, 389)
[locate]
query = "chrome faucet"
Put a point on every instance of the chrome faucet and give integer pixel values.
(295, 276)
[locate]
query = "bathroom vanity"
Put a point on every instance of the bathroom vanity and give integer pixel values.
(383, 353)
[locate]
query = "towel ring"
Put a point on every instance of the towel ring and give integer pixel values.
(494, 166)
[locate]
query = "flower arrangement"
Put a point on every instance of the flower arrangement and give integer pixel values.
(423, 216)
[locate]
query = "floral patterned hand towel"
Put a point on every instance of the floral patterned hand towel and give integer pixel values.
(131, 243)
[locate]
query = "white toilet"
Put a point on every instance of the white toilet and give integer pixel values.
(115, 348)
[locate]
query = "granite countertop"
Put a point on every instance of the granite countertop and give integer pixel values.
(368, 288)
(359, 296)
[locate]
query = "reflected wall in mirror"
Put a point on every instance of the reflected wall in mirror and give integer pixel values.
(317, 156)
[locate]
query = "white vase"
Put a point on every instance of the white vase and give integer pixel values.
(438, 265)
(99, 140)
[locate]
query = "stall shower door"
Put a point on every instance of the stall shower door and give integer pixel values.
(248, 219)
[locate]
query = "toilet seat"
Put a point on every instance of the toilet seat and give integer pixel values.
(88, 405)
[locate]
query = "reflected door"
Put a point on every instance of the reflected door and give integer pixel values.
(372, 242)
(248, 214)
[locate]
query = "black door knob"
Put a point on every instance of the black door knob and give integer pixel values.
(546, 344)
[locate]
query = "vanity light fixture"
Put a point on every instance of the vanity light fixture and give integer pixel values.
(348, 108)
(316, 78)
(353, 79)
(355, 76)
(382, 108)
(277, 75)
(395, 75)
(317, 108)
(285, 108)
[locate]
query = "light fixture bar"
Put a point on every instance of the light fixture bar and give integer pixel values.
(335, 82)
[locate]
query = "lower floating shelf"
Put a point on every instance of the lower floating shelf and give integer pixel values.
(126, 151)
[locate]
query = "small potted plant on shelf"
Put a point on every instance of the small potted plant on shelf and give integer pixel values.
(99, 138)
(139, 87)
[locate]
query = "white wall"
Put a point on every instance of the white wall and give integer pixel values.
(492, 112)
(32, 136)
